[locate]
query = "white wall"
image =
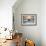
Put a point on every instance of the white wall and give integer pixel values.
(6, 13)
(29, 7)
(43, 22)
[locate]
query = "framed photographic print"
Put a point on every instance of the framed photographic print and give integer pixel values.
(29, 19)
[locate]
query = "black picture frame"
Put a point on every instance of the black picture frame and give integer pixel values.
(29, 19)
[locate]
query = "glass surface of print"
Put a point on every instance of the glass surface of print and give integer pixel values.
(29, 19)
